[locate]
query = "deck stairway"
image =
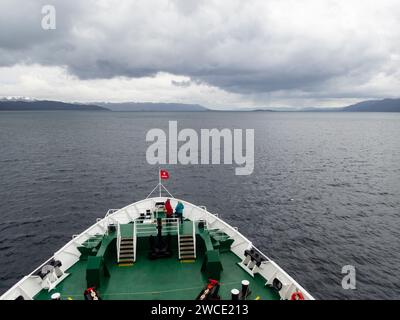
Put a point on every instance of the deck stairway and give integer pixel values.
(126, 251)
(187, 249)
(126, 243)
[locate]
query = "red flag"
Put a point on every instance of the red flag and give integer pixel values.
(164, 174)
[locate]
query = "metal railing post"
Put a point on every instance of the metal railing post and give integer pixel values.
(179, 241)
(194, 239)
(118, 240)
(134, 241)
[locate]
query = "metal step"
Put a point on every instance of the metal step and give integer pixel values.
(125, 255)
(126, 245)
(188, 257)
(187, 253)
(126, 251)
(185, 240)
(186, 244)
(185, 247)
(126, 248)
(126, 260)
(191, 252)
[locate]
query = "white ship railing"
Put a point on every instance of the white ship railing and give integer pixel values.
(134, 240)
(169, 225)
(179, 244)
(106, 222)
(194, 238)
(118, 240)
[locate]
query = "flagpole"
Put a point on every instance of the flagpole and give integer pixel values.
(159, 180)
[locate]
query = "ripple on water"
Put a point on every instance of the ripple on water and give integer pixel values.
(320, 197)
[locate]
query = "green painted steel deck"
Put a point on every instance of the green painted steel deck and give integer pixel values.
(126, 230)
(167, 278)
(186, 228)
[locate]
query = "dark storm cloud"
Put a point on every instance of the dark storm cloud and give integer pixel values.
(252, 47)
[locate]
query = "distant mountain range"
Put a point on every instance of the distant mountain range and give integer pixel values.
(151, 106)
(37, 105)
(385, 105)
(26, 104)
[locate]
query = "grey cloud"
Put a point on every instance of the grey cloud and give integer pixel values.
(230, 45)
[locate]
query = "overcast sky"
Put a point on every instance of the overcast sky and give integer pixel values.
(220, 54)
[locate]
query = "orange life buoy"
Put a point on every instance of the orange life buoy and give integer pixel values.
(297, 296)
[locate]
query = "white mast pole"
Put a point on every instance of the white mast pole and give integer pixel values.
(159, 180)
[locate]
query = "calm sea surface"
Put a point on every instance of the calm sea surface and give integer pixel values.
(325, 191)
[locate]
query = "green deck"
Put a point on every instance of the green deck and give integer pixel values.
(186, 228)
(127, 230)
(161, 279)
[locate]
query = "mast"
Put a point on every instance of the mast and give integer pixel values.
(159, 180)
(160, 186)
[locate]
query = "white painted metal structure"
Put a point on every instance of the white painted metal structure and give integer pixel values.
(32, 284)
